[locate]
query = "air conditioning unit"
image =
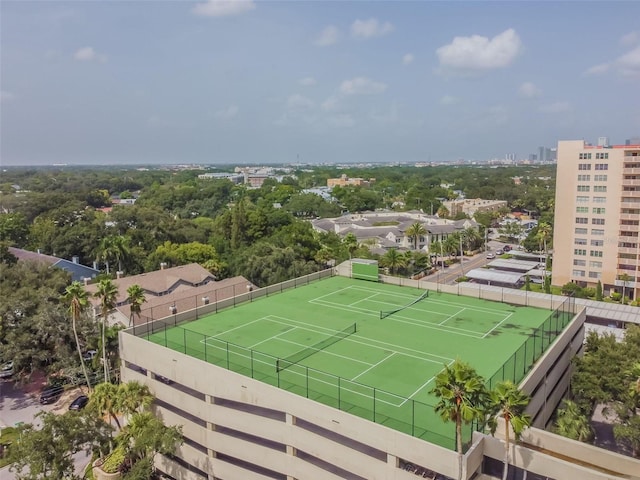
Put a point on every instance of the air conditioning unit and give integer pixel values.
(205, 300)
(173, 309)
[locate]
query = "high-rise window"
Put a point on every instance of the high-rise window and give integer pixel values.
(595, 264)
(597, 243)
(579, 251)
(578, 273)
(598, 210)
(597, 221)
(595, 274)
(597, 231)
(582, 209)
(599, 178)
(579, 263)
(595, 253)
(584, 178)
(582, 220)
(580, 241)
(582, 199)
(599, 188)
(583, 188)
(599, 199)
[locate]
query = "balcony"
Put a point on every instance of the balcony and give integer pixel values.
(629, 228)
(631, 193)
(627, 261)
(632, 171)
(631, 182)
(629, 216)
(633, 250)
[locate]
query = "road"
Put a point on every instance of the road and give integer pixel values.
(449, 275)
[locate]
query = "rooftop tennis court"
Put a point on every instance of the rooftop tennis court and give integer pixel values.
(327, 341)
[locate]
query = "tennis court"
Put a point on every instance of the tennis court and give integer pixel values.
(327, 341)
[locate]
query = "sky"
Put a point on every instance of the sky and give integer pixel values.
(257, 82)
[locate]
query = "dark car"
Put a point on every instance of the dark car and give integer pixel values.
(506, 248)
(51, 393)
(79, 403)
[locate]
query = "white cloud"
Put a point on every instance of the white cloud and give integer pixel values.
(477, 53)
(557, 107)
(629, 63)
(6, 96)
(597, 69)
(449, 100)
(88, 54)
(370, 28)
(529, 90)
(362, 86)
(223, 8)
(329, 36)
(297, 102)
(407, 58)
(307, 81)
(228, 113)
(630, 39)
(331, 104)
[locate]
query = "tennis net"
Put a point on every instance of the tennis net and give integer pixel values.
(385, 314)
(282, 363)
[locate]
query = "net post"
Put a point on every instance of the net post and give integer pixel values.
(204, 340)
(374, 405)
(339, 390)
(307, 378)
(184, 336)
(251, 353)
(227, 355)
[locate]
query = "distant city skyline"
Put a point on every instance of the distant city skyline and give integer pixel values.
(252, 82)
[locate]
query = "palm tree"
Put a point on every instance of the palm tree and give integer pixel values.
(351, 242)
(415, 231)
(104, 252)
(77, 298)
(107, 293)
(133, 397)
(104, 400)
(624, 278)
(135, 298)
(462, 396)
(572, 423)
(508, 402)
(120, 246)
(393, 259)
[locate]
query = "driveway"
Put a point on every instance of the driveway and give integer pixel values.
(20, 404)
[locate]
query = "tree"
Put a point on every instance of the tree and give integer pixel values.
(107, 292)
(624, 278)
(506, 401)
(104, 401)
(77, 299)
(415, 231)
(351, 243)
(599, 291)
(133, 397)
(135, 298)
(46, 453)
(572, 423)
(393, 259)
(544, 234)
(461, 398)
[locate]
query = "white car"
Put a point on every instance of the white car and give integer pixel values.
(6, 370)
(491, 255)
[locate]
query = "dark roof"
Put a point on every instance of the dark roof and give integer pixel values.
(78, 271)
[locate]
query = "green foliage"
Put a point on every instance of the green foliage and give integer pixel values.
(572, 422)
(599, 291)
(115, 460)
(46, 452)
(393, 260)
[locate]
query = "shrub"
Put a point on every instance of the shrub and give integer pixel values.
(115, 460)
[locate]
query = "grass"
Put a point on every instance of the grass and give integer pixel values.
(9, 436)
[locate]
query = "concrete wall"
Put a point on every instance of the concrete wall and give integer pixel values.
(215, 384)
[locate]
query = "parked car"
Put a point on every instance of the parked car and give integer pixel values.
(88, 355)
(79, 402)
(506, 248)
(51, 394)
(491, 255)
(6, 370)
(499, 252)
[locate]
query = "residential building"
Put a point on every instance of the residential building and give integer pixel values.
(344, 181)
(387, 229)
(597, 216)
(470, 206)
(78, 271)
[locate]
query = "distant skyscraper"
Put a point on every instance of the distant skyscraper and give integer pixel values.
(603, 141)
(541, 154)
(633, 141)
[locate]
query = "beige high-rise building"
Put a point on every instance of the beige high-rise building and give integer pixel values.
(597, 216)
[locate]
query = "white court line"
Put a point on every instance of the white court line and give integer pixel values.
(317, 350)
(396, 348)
(272, 338)
(449, 318)
(362, 300)
(232, 329)
(373, 366)
(499, 323)
(335, 292)
(414, 393)
(377, 399)
(459, 305)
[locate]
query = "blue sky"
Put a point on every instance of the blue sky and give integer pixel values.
(271, 82)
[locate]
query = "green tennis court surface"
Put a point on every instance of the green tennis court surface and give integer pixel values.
(385, 369)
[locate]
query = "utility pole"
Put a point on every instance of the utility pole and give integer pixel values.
(461, 256)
